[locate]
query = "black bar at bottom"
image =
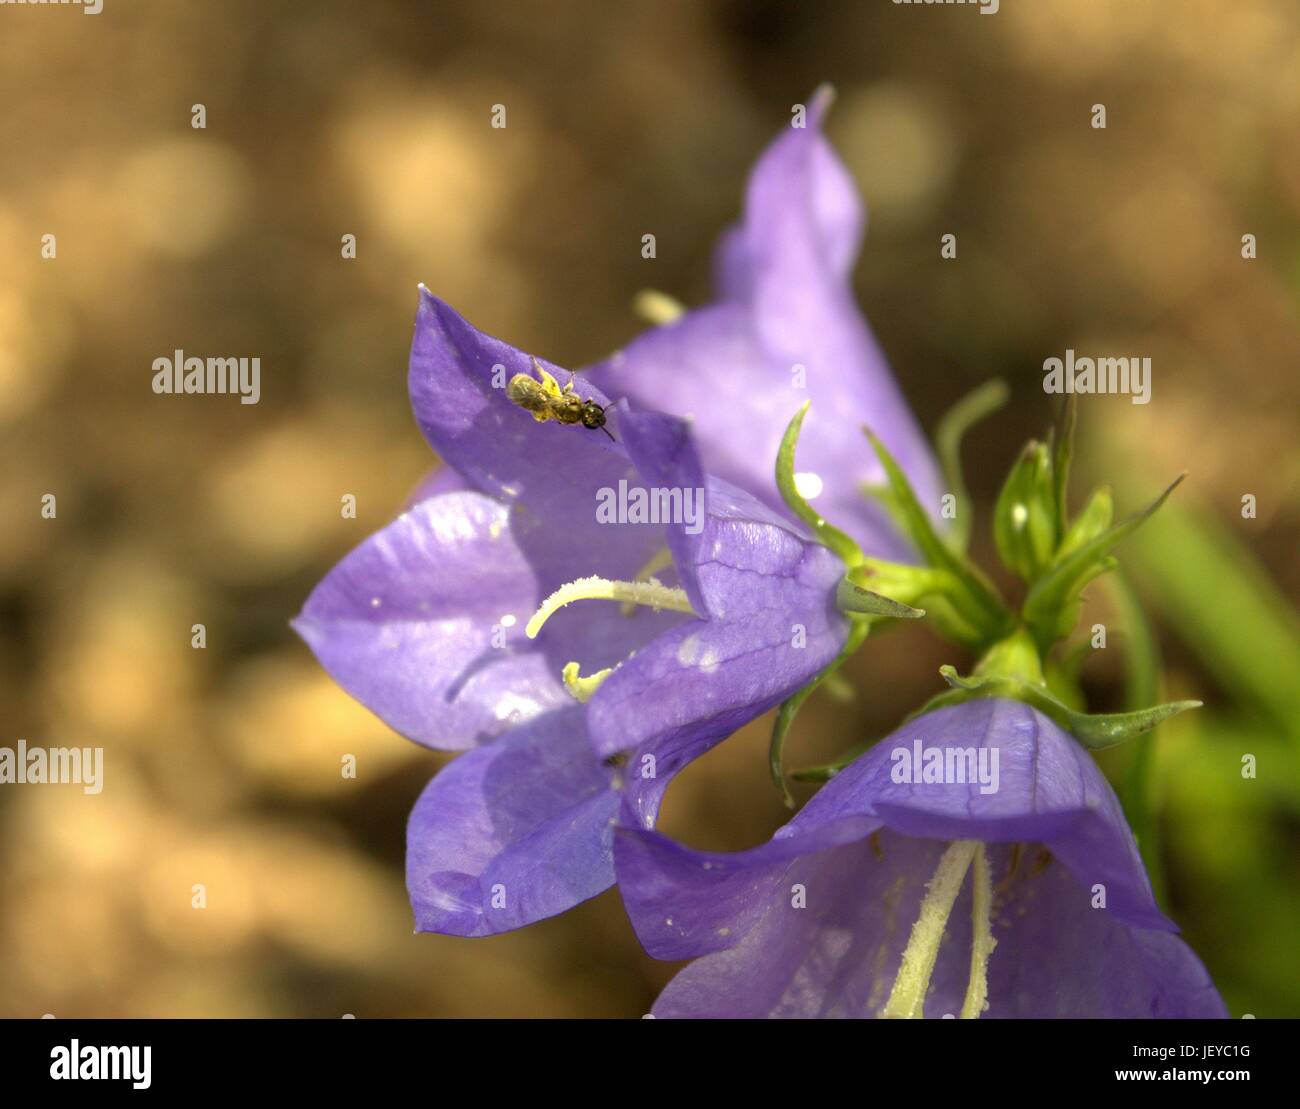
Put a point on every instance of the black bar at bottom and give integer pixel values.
(576, 1058)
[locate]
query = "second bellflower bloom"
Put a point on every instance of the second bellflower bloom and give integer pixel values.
(454, 625)
(785, 328)
(974, 862)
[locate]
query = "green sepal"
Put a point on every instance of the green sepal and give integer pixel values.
(1095, 517)
(858, 631)
(1095, 731)
(853, 600)
(1054, 597)
(921, 585)
(1025, 518)
(826, 534)
(970, 592)
(953, 425)
(1061, 674)
(1062, 456)
(825, 771)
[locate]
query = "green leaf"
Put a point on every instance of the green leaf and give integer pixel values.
(1246, 634)
(826, 534)
(1053, 593)
(953, 426)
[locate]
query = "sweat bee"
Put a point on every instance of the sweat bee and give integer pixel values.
(547, 401)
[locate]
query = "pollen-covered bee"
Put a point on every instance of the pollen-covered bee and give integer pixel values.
(547, 401)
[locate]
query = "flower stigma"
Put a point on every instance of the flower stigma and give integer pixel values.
(582, 688)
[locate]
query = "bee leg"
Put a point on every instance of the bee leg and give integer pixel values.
(549, 384)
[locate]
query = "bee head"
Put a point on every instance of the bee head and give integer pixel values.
(593, 415)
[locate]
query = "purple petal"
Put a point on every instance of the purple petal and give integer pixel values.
(773, 626)
(664, 454)
(838, 954)
(405, 624)
(424, 624)
(686, 903)
(786, 301)
(1056, 954)
(554, 475)
(1059, 957)
(512, 833)
(1049, 791)
(799, 165)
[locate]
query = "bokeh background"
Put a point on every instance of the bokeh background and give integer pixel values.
(372, 119)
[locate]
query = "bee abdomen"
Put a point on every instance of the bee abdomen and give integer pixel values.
(527, 392)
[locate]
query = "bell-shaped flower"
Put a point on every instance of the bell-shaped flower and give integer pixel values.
(578, 607)
(976, 862)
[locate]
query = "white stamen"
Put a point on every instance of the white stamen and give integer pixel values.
(907, 998)
(650, 593)
(982, 942)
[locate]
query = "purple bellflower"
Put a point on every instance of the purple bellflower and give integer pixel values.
(785, 328)
(456, 625)
(976, 862)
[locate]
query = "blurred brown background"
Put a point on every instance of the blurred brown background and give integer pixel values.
(331, 118)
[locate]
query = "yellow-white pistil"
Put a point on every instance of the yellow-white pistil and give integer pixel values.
(582, 688)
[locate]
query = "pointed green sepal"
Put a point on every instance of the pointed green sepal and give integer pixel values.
(971, 593)
(953, 426)
(827, 534)
(785, 715)
(950, 675)
(1095, 517)
(917, 586)
(1047, 609)
(1100, 730)
(853, 600)
(1095, 731)
(824, 772)
(1062, 456)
